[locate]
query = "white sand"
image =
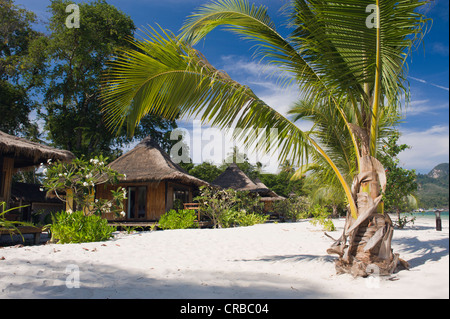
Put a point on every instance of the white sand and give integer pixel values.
(285, 260)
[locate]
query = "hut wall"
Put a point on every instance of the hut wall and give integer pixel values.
(155, 198)
(6, 173)
(169, 197)
(268, 207)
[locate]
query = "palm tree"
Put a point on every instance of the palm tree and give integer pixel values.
(339, 61)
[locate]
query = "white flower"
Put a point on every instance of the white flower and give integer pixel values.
(89, 175)
(41, 189)
(44, 171)
(94, 161)
(49, 161)
(125, 175)
(85, 184)
(60, 175)
(122, 213)
(69, 211)
(96, 200)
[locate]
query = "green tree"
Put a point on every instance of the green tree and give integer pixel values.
(206, 171)
(75, 60)
(282, 183)
(20, 70)
(337, 56)
(401, 185)
(242, 161)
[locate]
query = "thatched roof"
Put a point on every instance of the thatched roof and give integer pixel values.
(148, 162)
(27, 153)
(269, 193)
(233, 177)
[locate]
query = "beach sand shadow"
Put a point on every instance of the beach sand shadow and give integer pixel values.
(47, 280)
(432, 250)
(293, 258)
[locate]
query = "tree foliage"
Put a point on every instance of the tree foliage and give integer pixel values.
(401, 182)
(75, 59)
(20, 67)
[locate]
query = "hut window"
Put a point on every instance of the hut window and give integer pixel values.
(137, 199)
(181, 194)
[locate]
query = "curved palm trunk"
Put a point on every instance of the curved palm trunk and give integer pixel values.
(366, 241)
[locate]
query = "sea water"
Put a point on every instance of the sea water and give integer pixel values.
(431, 214)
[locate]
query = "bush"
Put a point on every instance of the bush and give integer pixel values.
(230, 218)
(321, 217)
(225, 207)
(181, 219)
(292, 208)
(233, 218)
(252, 219)
(77, 227)
(79, 178)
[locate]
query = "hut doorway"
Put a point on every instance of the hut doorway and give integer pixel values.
(137, 202)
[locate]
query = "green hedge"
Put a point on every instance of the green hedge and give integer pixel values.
(77, 227)
(178, 219)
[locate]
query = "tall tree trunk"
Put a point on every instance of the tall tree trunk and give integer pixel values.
(367, 240)
(335, 213)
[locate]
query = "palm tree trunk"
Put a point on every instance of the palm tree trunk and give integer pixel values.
(366, 241)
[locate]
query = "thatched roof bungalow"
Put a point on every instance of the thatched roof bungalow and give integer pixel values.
(233, 177)
(18, 153)
(35, 200)
(153, 182)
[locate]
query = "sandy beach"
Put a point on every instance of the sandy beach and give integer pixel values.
(284, 260)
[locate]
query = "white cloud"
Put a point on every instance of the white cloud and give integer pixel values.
(419, 107)
(440, 48)
(428, 148)
(429, 83)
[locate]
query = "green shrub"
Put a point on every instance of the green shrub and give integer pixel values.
(181, 219)
(77, 227)
(292, 208)
(321, 217)
(230, 218)
(224, 206)
(233, 218)
(252, 219)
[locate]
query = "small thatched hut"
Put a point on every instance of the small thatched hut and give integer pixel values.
(152, 180)
(18, 153)
(233, 177)
(35, 200)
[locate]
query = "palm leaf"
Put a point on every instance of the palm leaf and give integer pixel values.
(167, 77)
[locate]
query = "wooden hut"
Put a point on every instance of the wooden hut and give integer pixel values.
(233, 177)
(18, 153)
(36, 202)
(153, 182)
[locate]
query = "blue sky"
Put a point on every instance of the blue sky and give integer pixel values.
(426, 124)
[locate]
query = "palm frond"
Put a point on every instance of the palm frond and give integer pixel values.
(253, 23)
(166, 76)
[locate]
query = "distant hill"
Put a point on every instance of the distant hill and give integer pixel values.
(433, 187)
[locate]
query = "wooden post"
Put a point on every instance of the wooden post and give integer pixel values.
(6, 175)
(438, 220)
(69, 200)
